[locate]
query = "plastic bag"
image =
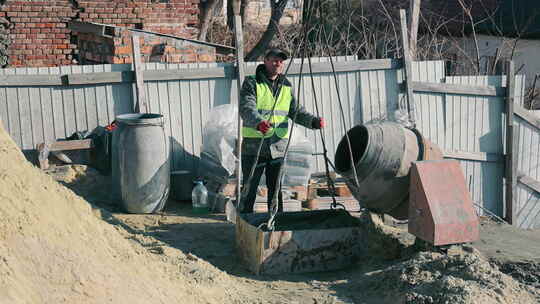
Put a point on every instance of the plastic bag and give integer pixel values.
(298, 164)
(219, 136)
(218, 155)
(402, 117)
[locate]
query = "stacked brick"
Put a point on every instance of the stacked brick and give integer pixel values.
(40, 35)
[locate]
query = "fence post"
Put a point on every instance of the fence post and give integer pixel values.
(140, 105)
(239, 39)
(510, 169)
(407, 66)
(413, 23)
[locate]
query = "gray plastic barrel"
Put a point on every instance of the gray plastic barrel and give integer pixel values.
(140, 163)
(382, 154)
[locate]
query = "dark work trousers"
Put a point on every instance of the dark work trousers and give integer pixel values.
(271, 169)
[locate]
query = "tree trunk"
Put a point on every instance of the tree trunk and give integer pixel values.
(230, 15)
(230, 12)
(278, 6)
(207, 12)
(243, 11)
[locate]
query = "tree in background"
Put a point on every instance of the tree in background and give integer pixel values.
(207, 8)
(277, 8)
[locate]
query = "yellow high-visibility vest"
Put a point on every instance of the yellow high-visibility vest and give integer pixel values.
(265, 104)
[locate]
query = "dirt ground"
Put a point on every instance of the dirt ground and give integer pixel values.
(63, 241)
(503, 267)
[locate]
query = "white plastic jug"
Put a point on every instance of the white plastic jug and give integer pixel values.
(199, 198)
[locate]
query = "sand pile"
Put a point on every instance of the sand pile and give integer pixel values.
(461, 276)
(53, 249)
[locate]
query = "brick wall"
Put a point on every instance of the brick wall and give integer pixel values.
(5, 40)
(177, 17)
(38, 32)
(40, 36)
(118, 49)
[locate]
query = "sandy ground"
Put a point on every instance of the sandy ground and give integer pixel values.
(63, 241)
(469, 274)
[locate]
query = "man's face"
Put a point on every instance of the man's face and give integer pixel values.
(274, 65)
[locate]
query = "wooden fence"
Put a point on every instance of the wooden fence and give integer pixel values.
(465, 116)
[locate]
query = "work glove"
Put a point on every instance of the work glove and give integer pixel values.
(318, 123)
(264, 126)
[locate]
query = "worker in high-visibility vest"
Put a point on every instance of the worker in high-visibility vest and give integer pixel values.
(267, 92)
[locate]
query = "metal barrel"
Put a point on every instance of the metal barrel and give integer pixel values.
(140, 163)
(382, 155)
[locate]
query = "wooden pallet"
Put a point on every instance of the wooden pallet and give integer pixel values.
(325, 203)
(44, 149)
(322, 189)
(288, 206)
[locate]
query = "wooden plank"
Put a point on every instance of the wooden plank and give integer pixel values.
(529, 182)
(175, 117)
(80, 97)
(239, 39)
(164, 101)
(25, 114)
(408, 66)
(196, 117)
(99, 113)
(99, 78)
(151, 90)
(110, 89)
(527, 116)
(91, 100)
(68, 103)
(46, 108)
(66, 145)
(413, 23)
(217, 72)
(36, 114)
(248, 244)
(32, 80)
(141, 106)
(458, 89)
(510, 168)
(195, 74)
(57, 106)
(4, 117)
(476, 156)
(187, 130)
(348, 66)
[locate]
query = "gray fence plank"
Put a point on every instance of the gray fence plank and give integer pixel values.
(100, 110)
(4, 104)
(187, 144)
(528, 148)
(528, 212)
(473, 124)
(46, 109)
(13, 111)
(25, 114)
(68, 99)
(36, 116)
